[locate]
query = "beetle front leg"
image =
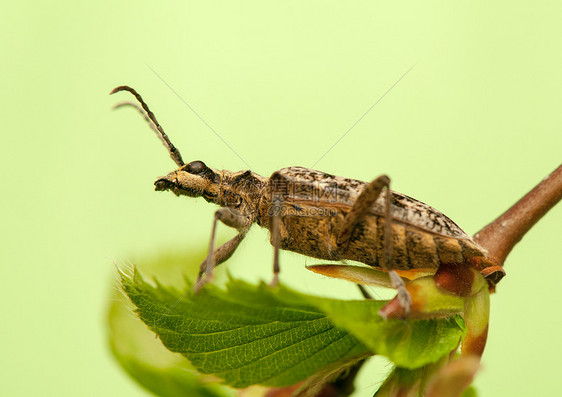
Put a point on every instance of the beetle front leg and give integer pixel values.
(225, 251)
(358, 212)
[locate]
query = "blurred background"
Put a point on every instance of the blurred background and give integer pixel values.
(472, 126)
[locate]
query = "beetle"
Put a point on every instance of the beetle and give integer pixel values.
(326, 217)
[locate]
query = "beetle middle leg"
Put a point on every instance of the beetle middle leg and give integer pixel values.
(225, 251)
(276, 236)
(360, 209)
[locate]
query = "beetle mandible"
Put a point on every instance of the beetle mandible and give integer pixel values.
(324, 216)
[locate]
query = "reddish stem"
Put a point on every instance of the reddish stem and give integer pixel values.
(500, 236)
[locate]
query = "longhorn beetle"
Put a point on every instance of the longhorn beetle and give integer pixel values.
(325, 216)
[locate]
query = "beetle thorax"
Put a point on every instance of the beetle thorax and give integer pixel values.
(241, 191)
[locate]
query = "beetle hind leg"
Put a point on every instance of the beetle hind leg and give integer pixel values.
(358, 212)
(403, 295)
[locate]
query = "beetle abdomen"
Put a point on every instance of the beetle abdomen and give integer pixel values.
(411, 247)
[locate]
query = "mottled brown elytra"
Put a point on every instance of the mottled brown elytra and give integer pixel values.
(328, 217)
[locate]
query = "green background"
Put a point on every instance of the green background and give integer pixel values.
(473, 126)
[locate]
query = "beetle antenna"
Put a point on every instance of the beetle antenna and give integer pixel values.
(174, 152)
(141, 111)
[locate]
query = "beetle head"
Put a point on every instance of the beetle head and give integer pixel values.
(194, 179)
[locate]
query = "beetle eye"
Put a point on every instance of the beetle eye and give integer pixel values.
(195, 167)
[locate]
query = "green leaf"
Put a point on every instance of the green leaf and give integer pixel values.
(145, 359)
(245, 335)
(153, 366)
(248, 334)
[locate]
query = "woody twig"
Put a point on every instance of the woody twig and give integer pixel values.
(500, 236)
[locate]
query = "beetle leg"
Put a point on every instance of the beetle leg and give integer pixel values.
(362, 206)
(364, 292)
(225, 251)
(360, 209)
(403, 295)
(357, 274)
(221, 254)
(275, 236)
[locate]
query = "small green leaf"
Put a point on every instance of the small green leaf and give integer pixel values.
(444, 378)
(409, 344)
(409, 382)
(470, 392)
(274, 336)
